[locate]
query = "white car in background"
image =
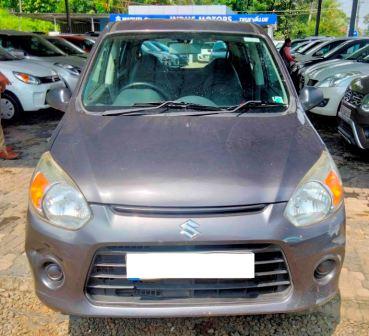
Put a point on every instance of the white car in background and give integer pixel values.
(36, 48)
(204, 55)
(333, 77)
(29, 84)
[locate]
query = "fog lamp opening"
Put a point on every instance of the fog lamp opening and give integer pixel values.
(325, 270)
(52, 274)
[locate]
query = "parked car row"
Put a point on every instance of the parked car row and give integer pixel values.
(34, 64)
(340, 69)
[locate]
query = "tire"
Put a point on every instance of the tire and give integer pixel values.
(10, 109)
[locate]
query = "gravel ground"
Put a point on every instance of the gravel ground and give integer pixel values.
(21, 313)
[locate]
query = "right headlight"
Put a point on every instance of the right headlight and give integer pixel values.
(342, 79)
(365, 103)
(70, 68)
(319, 194)
(27, 78)
(56, 198)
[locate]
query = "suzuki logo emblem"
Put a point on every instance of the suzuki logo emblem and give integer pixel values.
(189, 229)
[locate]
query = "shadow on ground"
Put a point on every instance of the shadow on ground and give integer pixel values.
(322, 322)
(28, 136)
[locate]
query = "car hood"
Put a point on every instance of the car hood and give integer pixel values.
(72, 60)
(322, 65)
(186, 161)
(26, 66)
(341, 67)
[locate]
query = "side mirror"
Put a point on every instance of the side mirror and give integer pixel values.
(59, 98)
(310, 97)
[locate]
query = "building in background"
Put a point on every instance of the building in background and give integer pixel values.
(82, 23)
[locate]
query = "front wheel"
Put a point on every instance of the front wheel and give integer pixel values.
(10, 108)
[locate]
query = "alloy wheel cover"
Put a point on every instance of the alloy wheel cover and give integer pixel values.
(7, 109)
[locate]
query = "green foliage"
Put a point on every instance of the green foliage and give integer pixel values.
(85, 6)
(9, 21)
(39, 6)
(10, 4)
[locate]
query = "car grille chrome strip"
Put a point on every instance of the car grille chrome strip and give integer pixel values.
(122, 209)
(107, 279)
(49, 79)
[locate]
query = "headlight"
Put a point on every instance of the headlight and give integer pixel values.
(27, 78)
(365, 103)
(319, 194)
(55, 196)
(70, 68)
(341, 79)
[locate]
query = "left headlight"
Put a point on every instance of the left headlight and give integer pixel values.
(27, 78)
(55, 196)
(70, 68)
(365, 103)
(319, 194)
(341, 79)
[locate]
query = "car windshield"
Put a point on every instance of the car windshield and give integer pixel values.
(66, 46)
(303, 49)
(202, 69)
(359, 55)
(31, 45)
(5, 56)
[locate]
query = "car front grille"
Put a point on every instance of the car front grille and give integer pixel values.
(107, 280)
(49, 79)
(312, 82)
(352, 97)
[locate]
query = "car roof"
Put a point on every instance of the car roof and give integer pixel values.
(157, 25)
(72, 37)
(15, 32)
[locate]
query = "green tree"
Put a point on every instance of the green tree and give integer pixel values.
(39, 6)
(12, 5)
(86, 6)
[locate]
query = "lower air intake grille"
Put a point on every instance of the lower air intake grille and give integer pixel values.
(355, 98)
(107, 281)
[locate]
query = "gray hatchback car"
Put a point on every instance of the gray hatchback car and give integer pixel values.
(191, 190)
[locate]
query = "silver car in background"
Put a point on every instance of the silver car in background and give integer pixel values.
(35, 47)
(30, 82)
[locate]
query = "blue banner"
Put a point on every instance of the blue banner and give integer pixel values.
(261, 19)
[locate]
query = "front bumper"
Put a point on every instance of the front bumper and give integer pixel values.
(33, 97)
(303, 249)
(333, 95)
(355, 128)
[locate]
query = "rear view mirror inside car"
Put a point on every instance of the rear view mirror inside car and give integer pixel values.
(184, 48)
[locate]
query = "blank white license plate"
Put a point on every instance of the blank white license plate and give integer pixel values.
(187, 265)
(344, 112)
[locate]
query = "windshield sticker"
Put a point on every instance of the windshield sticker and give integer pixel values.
(278, 99)
(251, 39)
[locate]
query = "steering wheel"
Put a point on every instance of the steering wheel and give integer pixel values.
(147, 85)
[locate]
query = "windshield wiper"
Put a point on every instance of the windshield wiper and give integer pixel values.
(251, 104)
(146, 108)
